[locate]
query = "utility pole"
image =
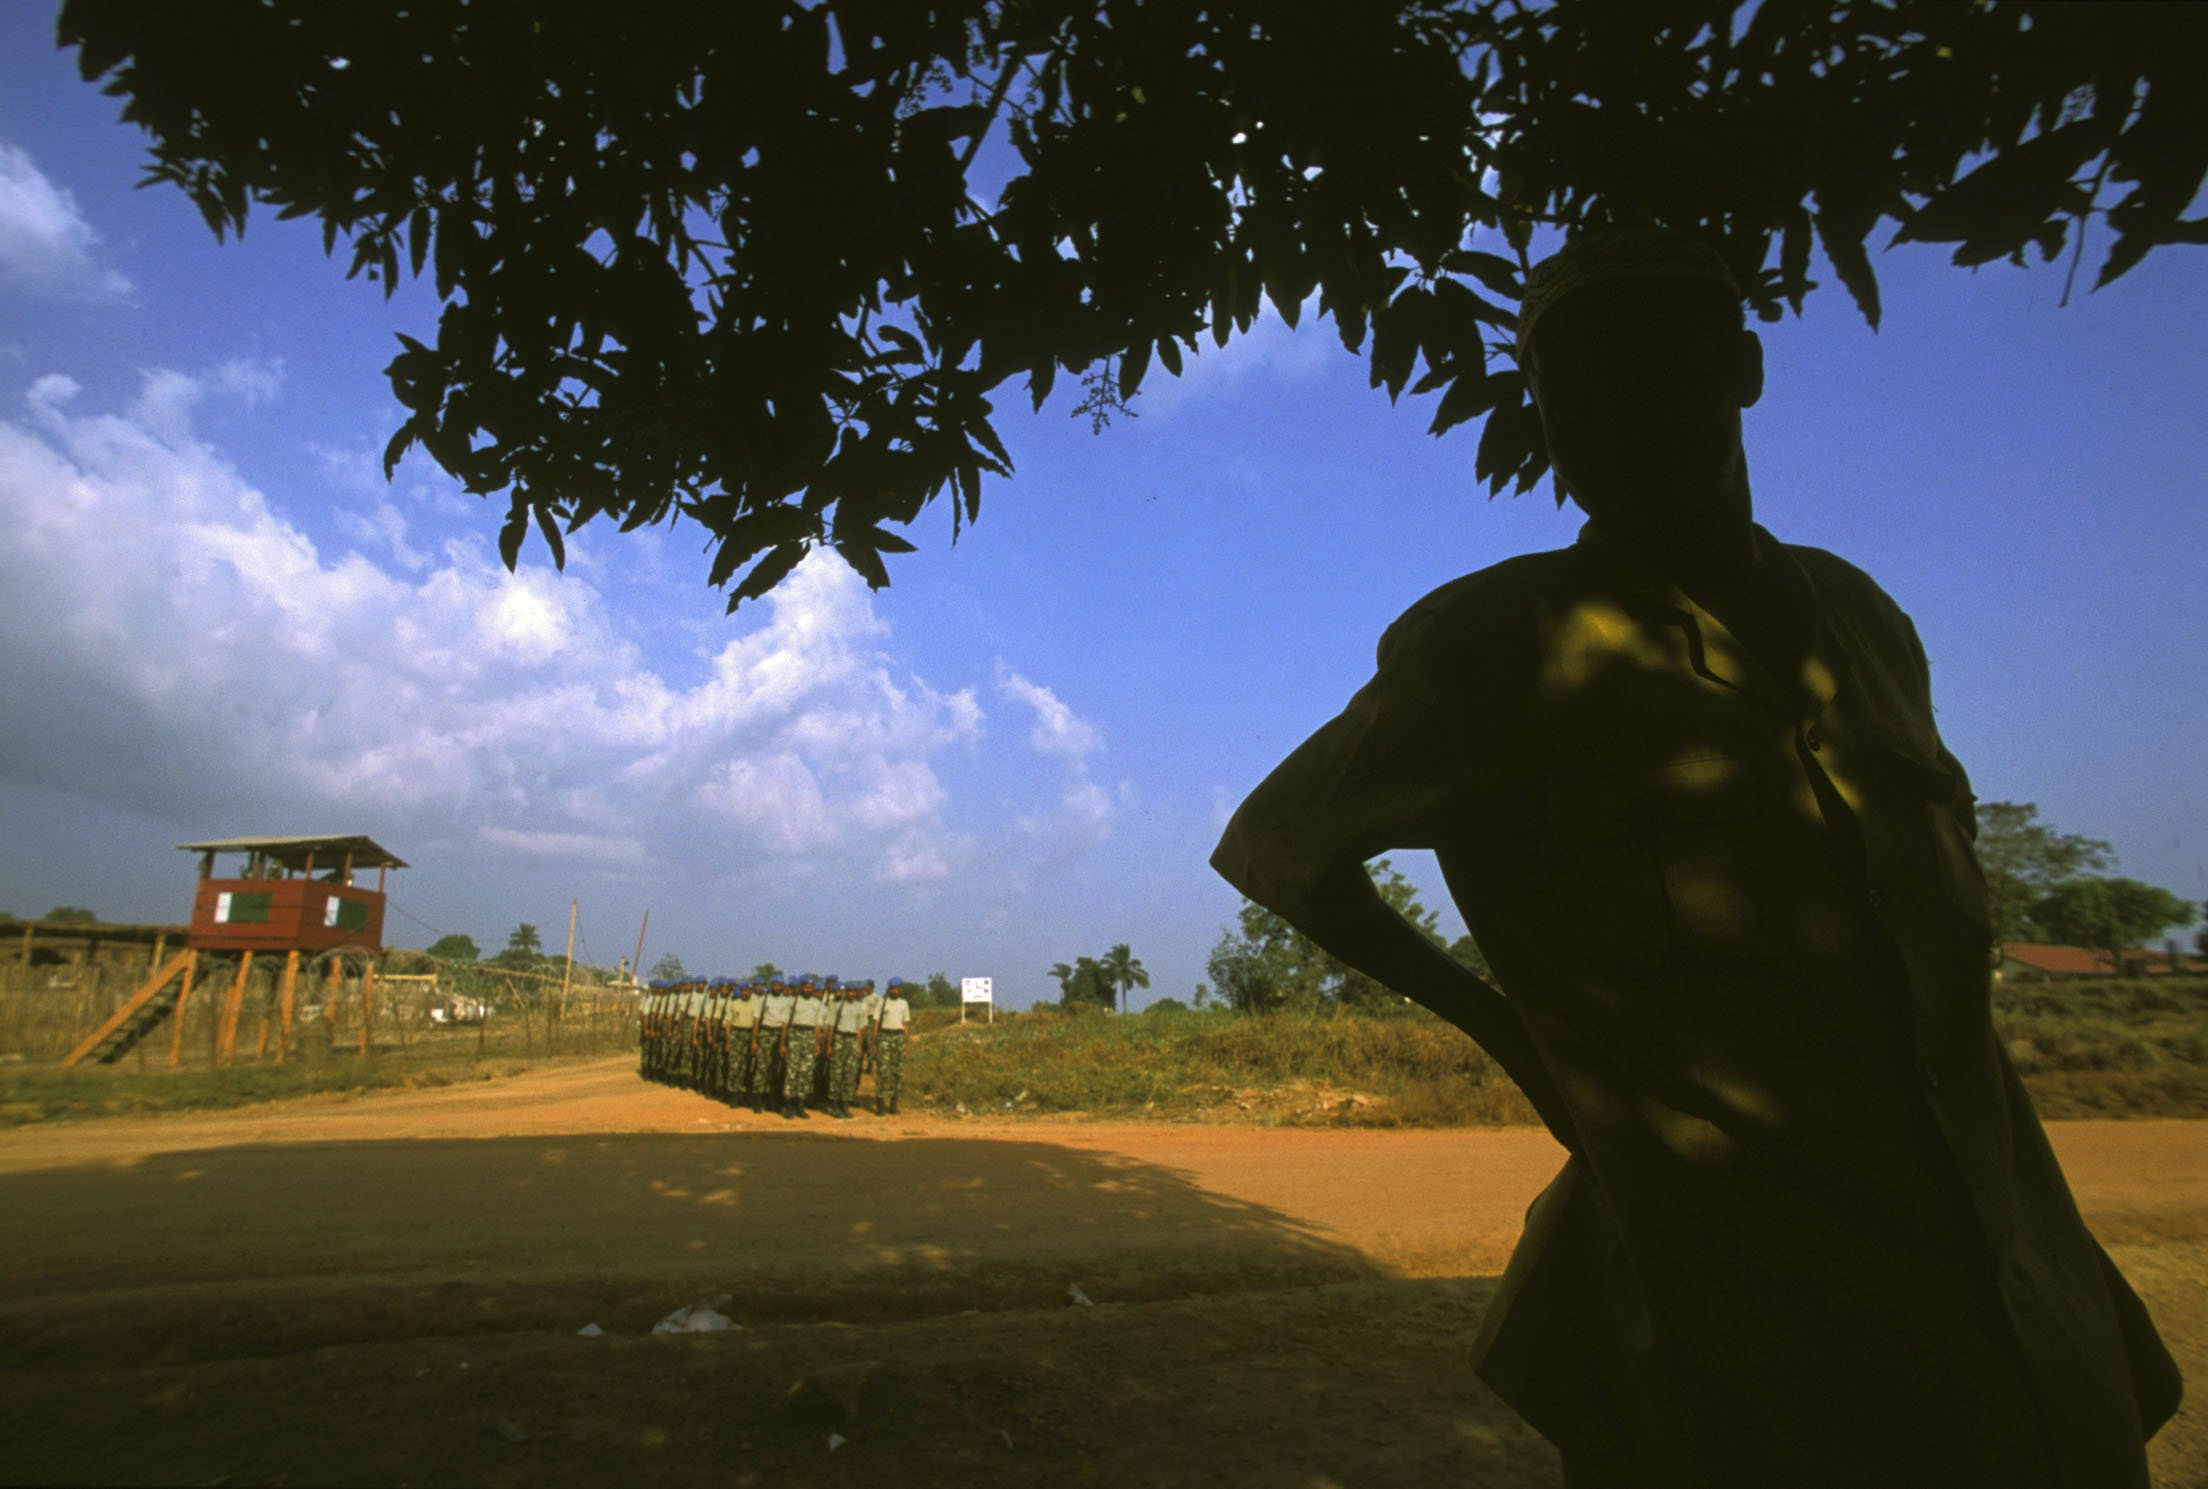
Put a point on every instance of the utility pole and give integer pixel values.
(636, 963)
(567, 976)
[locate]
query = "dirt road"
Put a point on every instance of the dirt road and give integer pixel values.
(389, 1290)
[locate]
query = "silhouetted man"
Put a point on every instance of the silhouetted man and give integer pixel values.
(1685, 787)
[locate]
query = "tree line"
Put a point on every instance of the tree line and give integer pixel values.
(2044, 885)
(1100, 982)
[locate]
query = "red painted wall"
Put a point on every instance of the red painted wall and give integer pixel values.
(295, 914)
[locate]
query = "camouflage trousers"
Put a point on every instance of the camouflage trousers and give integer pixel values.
(742, 1068)
(797, 1079)
(889, 1066)
(766, 1077)
(843, 1070)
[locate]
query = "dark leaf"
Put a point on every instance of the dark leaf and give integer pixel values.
(767, 573)
(1469, 397)
(1133, 363)
(548, 524)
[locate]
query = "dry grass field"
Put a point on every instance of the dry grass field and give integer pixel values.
(389, 1288)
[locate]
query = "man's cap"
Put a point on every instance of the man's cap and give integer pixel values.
(1636, 251)
(896, 982)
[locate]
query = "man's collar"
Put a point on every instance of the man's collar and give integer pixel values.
(1646, 590)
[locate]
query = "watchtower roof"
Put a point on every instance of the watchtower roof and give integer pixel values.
(292, 852)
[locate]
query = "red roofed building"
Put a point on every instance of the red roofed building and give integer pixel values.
(2024, 961)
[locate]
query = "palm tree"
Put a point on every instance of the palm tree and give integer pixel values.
(1123, 971)
(1064, 976)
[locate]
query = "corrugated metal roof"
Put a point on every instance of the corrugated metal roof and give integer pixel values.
(2074, 961)
(292, 852)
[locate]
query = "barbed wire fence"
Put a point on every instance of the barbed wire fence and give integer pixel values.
(403, 1006)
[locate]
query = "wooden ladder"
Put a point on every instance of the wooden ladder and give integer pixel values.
(141, 1012)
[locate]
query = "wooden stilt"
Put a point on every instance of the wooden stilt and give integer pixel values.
(160, 944)
(284, 1005)
(368, 1011)
(226, 1037)
(183, 998)
(337, 986)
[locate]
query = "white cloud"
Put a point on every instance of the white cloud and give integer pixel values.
(176, 644)
(1058, 731)
(1084, 812)
(590, 847)
(46, 246)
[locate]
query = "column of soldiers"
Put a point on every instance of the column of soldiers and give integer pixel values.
(786, 1046)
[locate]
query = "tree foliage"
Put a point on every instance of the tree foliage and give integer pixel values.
(455, 948)
(668, 969)
(1271, 965)
(1123, 970)
(2109, 915)
(2024, 860)
(1083, 983)
(525, 938)
(745, 263)
(69, 915)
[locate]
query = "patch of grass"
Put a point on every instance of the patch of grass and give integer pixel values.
(1296, 1069)
(41, 1092)
(2085, 1049)
(2114, 1048)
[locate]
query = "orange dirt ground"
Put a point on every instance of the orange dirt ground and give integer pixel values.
(388, 1290)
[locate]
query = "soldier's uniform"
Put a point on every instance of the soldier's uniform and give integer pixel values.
(693, 1009)
(889, 1047)
(774, 1028)
(797, 1080)
(843, 1076)
(831, 994)
(743, 1019)
(716, 1046)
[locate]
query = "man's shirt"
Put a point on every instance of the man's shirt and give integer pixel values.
(775, 1010)
(1738, 912)
(895, 1012)
(807, 1012)
(743, 1012)
(850, 1015)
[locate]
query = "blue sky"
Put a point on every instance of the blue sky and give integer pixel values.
(217, 618)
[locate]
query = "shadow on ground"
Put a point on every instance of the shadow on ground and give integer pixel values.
(272, 1249)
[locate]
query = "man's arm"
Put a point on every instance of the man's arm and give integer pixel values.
(1299, 844)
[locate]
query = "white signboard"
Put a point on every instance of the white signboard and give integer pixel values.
(974, 990)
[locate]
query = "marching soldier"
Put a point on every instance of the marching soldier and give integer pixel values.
(775, 1011)
(843, 1068)
(743, 1042)
(693, 1000)
(804, 1047)
(831, 994)
(889, 1047)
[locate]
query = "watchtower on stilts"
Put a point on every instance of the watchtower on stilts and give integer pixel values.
(294, 895)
